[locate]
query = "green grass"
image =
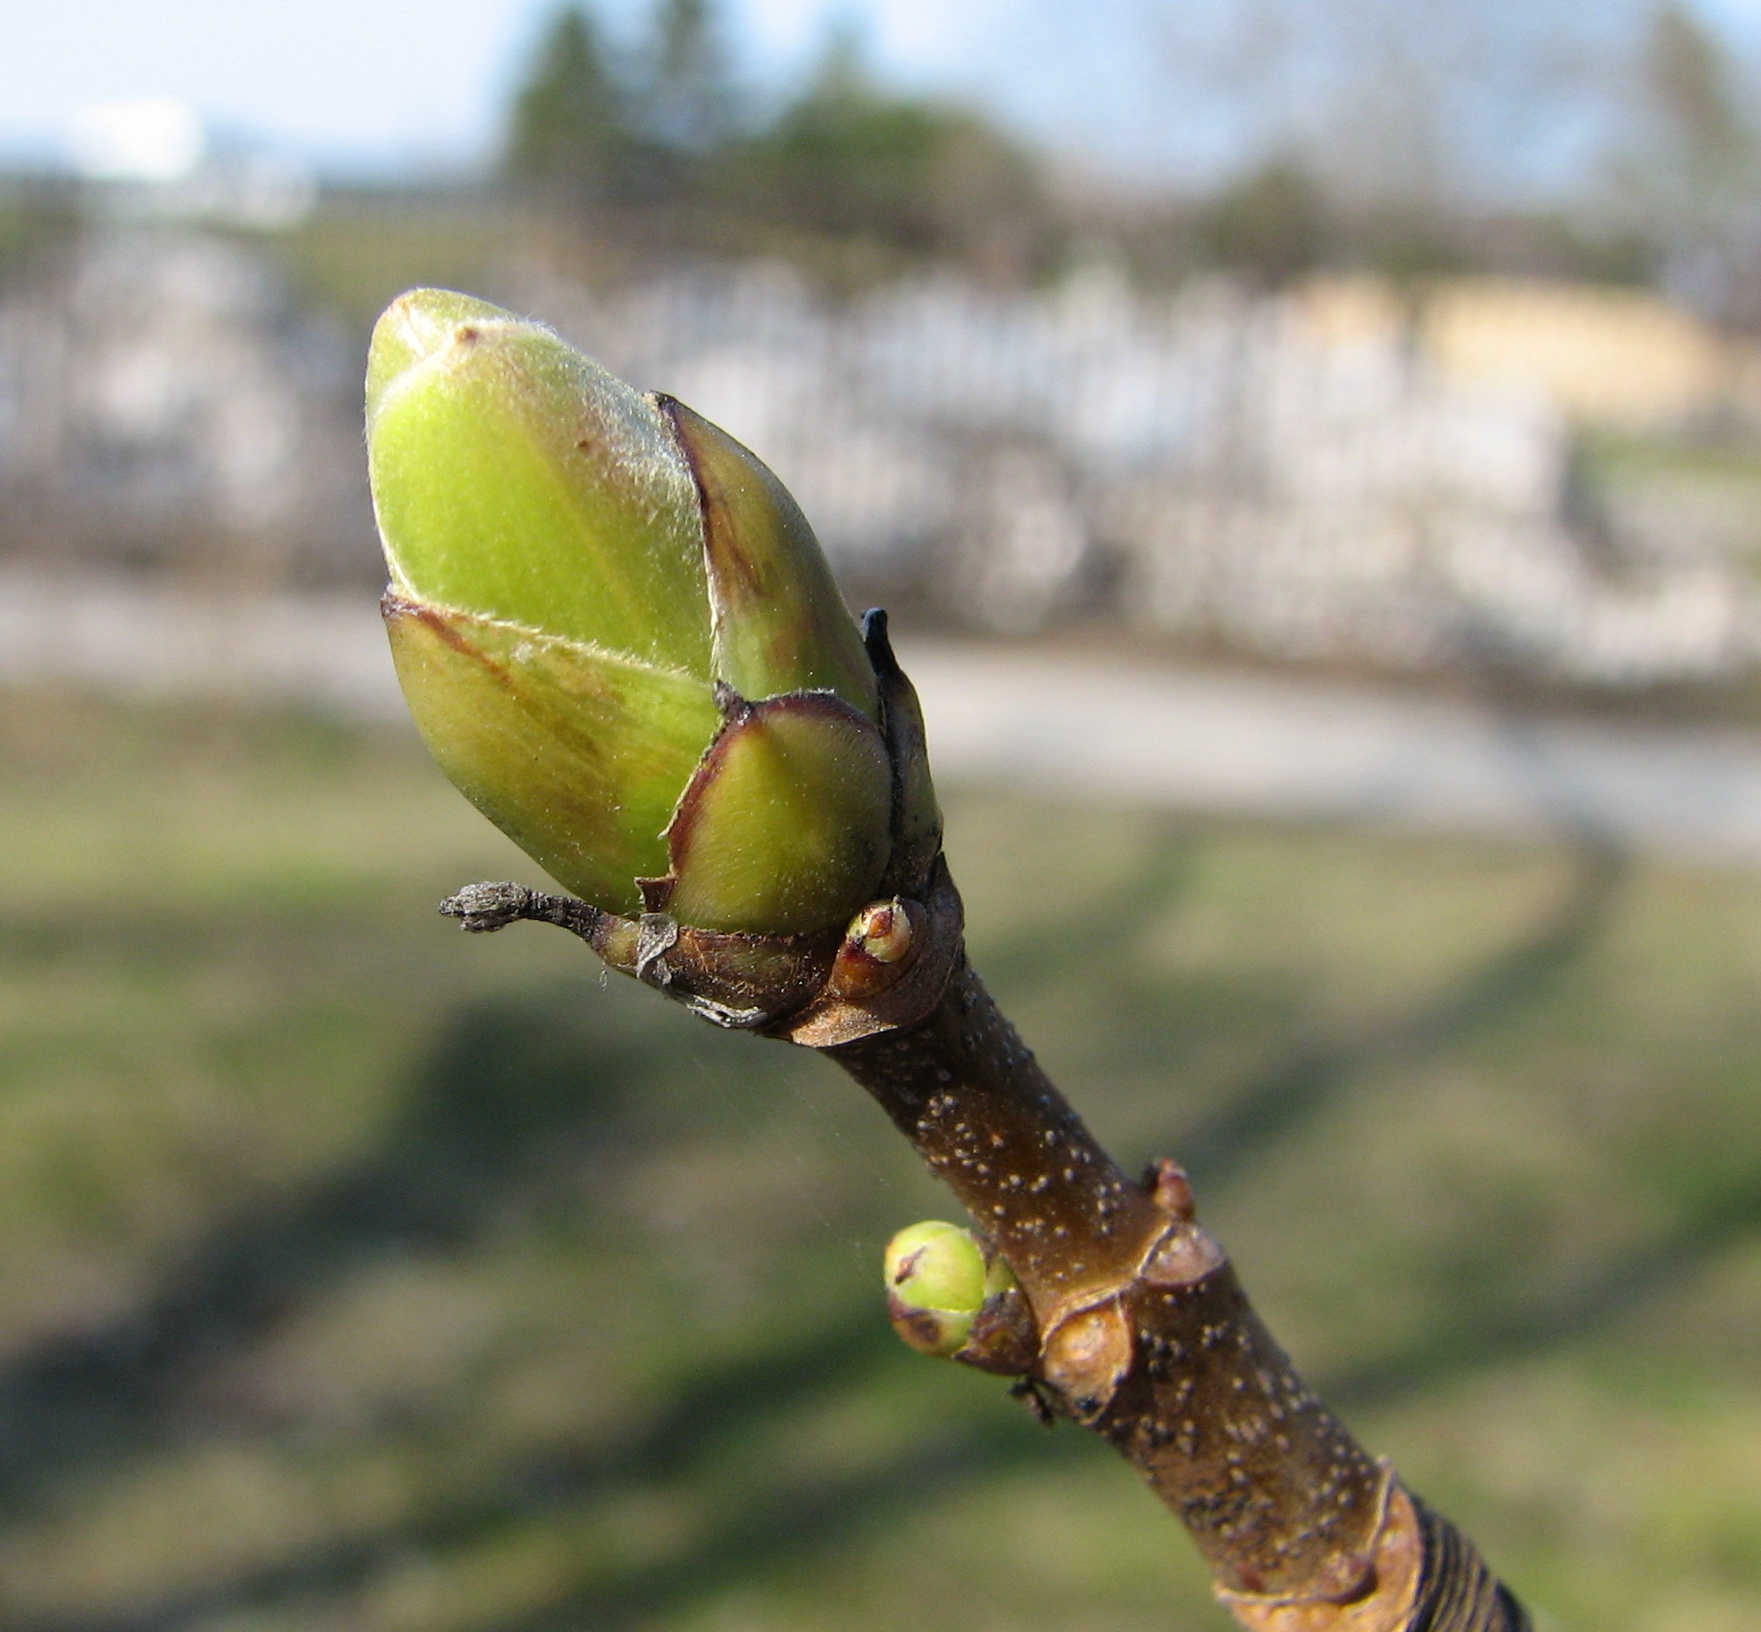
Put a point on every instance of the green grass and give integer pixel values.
(358, 1274)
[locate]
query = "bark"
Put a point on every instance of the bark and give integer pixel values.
(1145, 1335)
(1128, 1318)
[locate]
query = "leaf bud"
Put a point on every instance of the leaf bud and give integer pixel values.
(618, 636)
(935, 1275)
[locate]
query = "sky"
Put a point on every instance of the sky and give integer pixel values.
(386, 85)
(380, 83)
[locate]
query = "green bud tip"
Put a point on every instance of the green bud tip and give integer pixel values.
(937, 1282)
(617, 633)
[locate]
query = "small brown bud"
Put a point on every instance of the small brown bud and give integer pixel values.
(883, 931)
(879, 946)
(1169, 1188)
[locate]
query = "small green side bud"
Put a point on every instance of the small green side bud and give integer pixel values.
(935, 1275)
(882, 931)
(617, 633)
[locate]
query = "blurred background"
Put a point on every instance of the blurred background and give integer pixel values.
(1312, 451)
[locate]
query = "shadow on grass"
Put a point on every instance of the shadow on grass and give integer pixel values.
(513, 1087)
(526, 1095)
(1274, 1105)
(1484, 1331)
(516, 1096)
(721, 1400)
(1145, 1030)
(732, 1541)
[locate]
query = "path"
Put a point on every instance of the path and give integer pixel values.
(1065, 725)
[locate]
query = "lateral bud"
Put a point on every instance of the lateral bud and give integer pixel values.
(935, 1274)
(953, 1298)
(1170, 1189)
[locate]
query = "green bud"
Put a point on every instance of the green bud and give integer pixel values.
(936, 1285)
(617, 633)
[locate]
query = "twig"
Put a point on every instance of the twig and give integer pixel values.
(1146, 1336)
(1139, 1328)
(1129, 1318)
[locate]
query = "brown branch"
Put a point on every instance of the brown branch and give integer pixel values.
(1128, 1317)
(1146, 1336)
(1135, 1324)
